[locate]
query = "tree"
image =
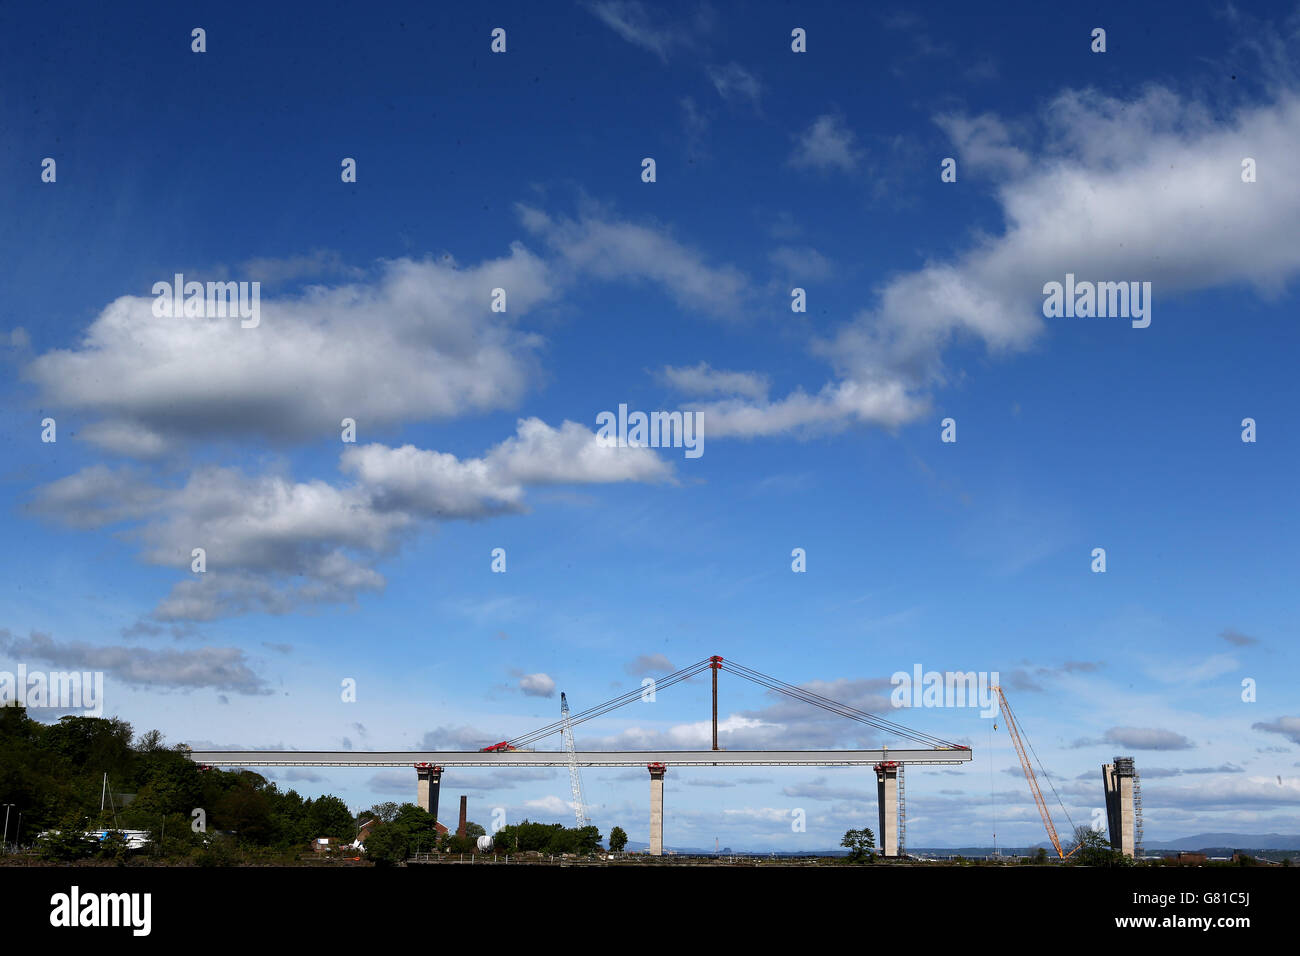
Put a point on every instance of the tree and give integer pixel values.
(113, 846)
(585, 839)
(328, 816)
(548, 838)
(150, 741)
(617, 839)
(1092, 848)
(859, 843)
(245, 811)
(418, 822)
(68, 843)
(384, 812)
(1040, 856)
(410, 831)
(388, 844)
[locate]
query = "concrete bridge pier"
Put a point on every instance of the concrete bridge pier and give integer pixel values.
(657, 771)
(429, 780)
(1117, 778)
(887, 802)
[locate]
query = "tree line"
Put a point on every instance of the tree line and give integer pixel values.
(53, 775)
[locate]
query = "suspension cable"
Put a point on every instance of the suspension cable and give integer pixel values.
(676, 677)
(796, 692)
(836, 707)
(1042, 768)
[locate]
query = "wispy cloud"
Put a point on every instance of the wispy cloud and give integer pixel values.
(216, 668)
(827, 144)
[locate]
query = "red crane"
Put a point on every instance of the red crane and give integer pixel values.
(1014, 726)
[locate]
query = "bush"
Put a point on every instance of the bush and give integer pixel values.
(113, 847)
(61, 846)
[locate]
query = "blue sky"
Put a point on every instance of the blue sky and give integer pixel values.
(475, 429)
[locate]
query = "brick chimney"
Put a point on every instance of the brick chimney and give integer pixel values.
(464, 800)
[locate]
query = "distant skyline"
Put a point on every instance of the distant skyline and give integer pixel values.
(500, 282)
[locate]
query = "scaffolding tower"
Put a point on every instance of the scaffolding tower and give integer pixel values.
(1137, 814)
(902, 812)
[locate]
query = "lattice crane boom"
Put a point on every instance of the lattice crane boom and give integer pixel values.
(1014, 727)
(575, 779)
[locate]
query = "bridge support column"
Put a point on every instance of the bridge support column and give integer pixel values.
(1117, 778)
(657, 771)
(429, 780)
(887, 803)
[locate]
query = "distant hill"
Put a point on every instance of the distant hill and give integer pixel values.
(1239, 841)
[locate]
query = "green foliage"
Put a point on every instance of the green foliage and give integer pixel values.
(859, 843)
(173, 836)
(548, 838)
(412, 830)
(1092, 848)
(328, 816)
(219, 850)
(113, 846)
(245, 810)
(54, 774)
(383, 812)
(1040, 856)
(387, 844)
(617, 839)
(451, 843)
(65, 845)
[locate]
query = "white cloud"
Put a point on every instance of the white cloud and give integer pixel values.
(318, 263)
(540, 455)
(882, 402)
(218, 668)
(1227, 793)
(983, 142)
(537, 685)
(552, 805)
(420, 342)
(649, 664)
(610, 249)
(432, 483)
(691, 736)
(273, 544)
(734, 83)
(1144, 189)
(803, 263)
(633, 21)
(1148, 738)
(436, 484)
(1140, 738)
(702, 379)
(826, 144)
(1288, 727)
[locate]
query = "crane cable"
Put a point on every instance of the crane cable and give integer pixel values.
(754, 676)
(835, 707)
(1013, 716)
(676, 677)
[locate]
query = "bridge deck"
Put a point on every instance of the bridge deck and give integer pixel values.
(612, 758)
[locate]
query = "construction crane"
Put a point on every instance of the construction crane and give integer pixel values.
(575, 781)
(1013, 725)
